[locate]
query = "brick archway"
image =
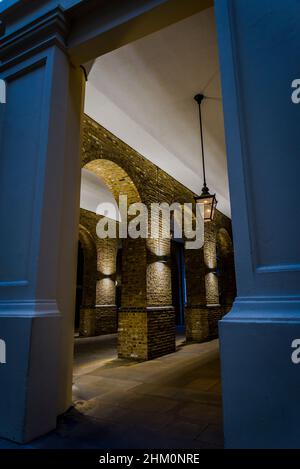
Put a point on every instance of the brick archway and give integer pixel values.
(115, 177)
(134, 256)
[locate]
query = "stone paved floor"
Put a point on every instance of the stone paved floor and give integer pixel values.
(171, 402)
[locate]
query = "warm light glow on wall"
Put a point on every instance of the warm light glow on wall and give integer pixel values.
(106, 266)
(108, 270)
(106, 256)
(159, 289)
(105, 294)
(212, 289)
(158, 247)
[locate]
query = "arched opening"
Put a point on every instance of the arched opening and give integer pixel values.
(150, 85)
(114, 256)
(116, 178)
(146, 301)
(114, 282)
(145, 280)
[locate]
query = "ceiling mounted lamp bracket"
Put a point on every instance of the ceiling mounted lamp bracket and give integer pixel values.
(199, 98)
(207, 201)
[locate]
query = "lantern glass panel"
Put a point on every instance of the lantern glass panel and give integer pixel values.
(208, 204)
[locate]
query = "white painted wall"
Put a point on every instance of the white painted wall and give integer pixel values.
(96, 197)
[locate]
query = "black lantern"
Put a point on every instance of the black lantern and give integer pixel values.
(207, 201)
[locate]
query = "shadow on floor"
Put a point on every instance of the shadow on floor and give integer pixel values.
(173, 402)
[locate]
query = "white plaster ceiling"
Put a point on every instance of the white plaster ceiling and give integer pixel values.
(96, 197)
(143, 93)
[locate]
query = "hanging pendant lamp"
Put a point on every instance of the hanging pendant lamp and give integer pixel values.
(207, 201)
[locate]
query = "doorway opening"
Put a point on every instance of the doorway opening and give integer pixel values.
(178, 282)
(141, 140)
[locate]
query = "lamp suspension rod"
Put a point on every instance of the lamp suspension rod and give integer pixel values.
(199, 98)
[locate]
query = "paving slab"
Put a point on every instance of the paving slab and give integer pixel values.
(173, 402)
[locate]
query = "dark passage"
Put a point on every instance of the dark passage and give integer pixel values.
(79, 285)
(178, 280)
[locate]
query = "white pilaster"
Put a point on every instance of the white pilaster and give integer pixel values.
(258, 52)
(39, 209)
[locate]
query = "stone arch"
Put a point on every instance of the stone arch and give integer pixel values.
(225, 267)
(116, 178)
(134, 256)
(145, 265)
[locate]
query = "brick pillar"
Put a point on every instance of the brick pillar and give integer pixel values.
(146, 319)
(132, 328)
(215, 312)
(203, 309)
(160, 312)
(105, 309)
(196, 312)
(210, 262)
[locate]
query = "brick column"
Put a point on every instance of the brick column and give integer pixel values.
(196, 312)
(105, 309)
(160, 312)
(214, 310)
(132, 328)
(210, 263)
(203, 310)
(146, 319)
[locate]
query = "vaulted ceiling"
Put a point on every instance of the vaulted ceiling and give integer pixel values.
(143, 93)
